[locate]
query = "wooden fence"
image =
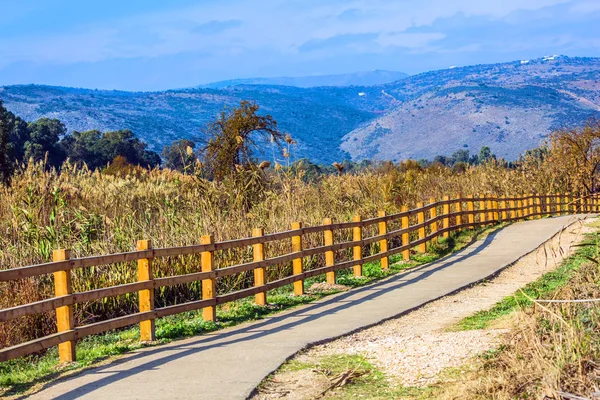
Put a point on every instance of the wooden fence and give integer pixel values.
(438, 218)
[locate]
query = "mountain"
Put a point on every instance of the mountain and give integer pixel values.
(510, 107)
(369, 78)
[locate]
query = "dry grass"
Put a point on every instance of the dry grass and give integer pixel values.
(552, 351)
(99, 213)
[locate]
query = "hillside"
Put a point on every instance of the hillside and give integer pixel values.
(509, 107)
(368, 78)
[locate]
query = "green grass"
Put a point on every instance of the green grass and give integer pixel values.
(538, 289)
(19, 375)
(371, 385)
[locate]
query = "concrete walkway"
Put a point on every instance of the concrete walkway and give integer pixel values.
(229, 364)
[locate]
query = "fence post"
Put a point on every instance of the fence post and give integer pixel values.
(258, 252)
(482, 210)
(405, 236)
(421, 248)
(519, 207)
(586, 203)
(564, 208)
(383, 243)
(446, 220)
(538, 205)
(207, 259)
(458, 209)
(64, 315)
(548, 201)
(513, 212)
(329, 255)
(434, 225)
(491, 211)
(297, 262)
(357, 250)
(470, 209)
(531, 205)
(503, 213)
(146, 297)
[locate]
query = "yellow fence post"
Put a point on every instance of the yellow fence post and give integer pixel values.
(207, 259)
(519, 207)
(513, 212)
(146, 297)
(433, 225)
(64, 315)
(564, 207)
(482, 209)
(405, 236)
(538, 204)
(458, 209)
(471, 209)
(548, 199)
(357, 250)
(446, 223)
(491, 212)
(531, 205)
(297, 268)
(329, 255)
(421, 248)
(258, 252)
(586, 203)
(383, 243)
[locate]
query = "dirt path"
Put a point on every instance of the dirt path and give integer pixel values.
(414, 349)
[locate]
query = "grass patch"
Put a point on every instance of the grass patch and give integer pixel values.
(539, 289)
(19, 375)
(372, 384)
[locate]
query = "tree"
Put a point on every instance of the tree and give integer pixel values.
(42, 144)
(6, 165)
(461, 156)
(96, 149)
(235, 137)
(575, 154)
(180, 156)
(485, 155)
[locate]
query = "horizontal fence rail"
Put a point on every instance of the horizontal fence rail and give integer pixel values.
(433, 220)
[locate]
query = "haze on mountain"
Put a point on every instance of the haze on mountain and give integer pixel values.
(368, 78)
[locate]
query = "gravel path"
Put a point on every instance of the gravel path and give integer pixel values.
(412, 350)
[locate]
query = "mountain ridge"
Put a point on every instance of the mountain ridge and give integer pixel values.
(507, 106)
(364, 78)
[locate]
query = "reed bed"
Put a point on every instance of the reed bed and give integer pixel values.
(93, 212)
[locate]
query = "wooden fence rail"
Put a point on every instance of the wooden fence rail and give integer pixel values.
(433, 220)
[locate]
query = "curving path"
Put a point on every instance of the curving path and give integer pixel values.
(229, 364)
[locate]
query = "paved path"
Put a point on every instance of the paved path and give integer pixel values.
(230, 364)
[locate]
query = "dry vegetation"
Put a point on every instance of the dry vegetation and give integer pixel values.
(92, 212)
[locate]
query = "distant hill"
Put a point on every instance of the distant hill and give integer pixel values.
(510, 107)
(369, 78)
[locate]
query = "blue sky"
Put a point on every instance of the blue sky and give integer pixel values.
(159, 44)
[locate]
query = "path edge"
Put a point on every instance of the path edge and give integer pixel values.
(578, 219)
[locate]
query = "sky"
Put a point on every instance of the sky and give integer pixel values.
(156, 44)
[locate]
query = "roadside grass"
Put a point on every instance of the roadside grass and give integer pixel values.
(20, 375)
(370, 383)
(542, 288)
